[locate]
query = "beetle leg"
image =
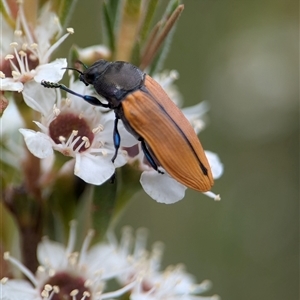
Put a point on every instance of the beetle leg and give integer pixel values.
(117, 142)
(149, 156)
(117, 139)
(90, 99)
(112, 179)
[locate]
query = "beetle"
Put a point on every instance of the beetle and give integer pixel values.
(167, 138)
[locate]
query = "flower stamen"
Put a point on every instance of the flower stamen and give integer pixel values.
(98, 129)
(21, 267)
(72, 237)
(4, 280)
(18, 33)
(24, 22)
(85, 245)
(58, 43)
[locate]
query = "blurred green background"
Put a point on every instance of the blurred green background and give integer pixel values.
(241, 56)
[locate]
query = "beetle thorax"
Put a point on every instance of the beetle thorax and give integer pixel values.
(118, 80)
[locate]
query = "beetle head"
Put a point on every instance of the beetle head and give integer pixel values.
(90, 75)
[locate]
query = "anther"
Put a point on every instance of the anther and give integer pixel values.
(22, 53)
(6, 255)
(217, 198)
(18, 33)
(70, 30)
(4, 280)
(48, 287)
(45, 294)
(15, 74)
(97, 129)
(24, 46)
(9, 56)
(62, 139)
(34, 46)
(14, 44)
(56, 111)
(74, 293)
(87, 143)
(68, 101)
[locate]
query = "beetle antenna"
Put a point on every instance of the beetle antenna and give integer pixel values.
(74, 69)
(81, 63)
(69, 68)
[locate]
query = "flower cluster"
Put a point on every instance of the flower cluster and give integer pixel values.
(58, 157)
(64, 273)
(72, 127)
(26, 53)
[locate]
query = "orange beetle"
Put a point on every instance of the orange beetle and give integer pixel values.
(167, 138)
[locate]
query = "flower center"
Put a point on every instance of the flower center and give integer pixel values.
(69, 285)
(21, 62)
(64, 126)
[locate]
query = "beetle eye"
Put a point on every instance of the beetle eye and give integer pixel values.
(90, 77)
(83, 79)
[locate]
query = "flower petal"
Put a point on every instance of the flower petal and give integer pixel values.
(39, 98)
(11, 113)
(18, 289)
(121, 158)
(195, 115)
(46, 28)
(38, 143)
(217, 168)
(93, 169)
(8, 84)
(51, 254)
(196, 111)
(162, 187)
(53, 71)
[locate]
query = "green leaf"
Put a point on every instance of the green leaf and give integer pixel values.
(172, 6)
(104, 200)
(108, 28)
(160, 46)
(159, 59)
(8, 228)
(128, 185)
(162, 54)
(136, 54)
(62, 204)
(64, 9)
(6, 15)
(96, 208)
(127, 33)
(149, 14)
(114, 9)
(73, 56)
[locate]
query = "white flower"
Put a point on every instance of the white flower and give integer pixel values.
(93, 53)
(31, 51)
(196, 115)
(63, 273)
(84, 275)
(165, 189)
(76, 129)
(166, 81)
(172, 284)
(152, 283)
